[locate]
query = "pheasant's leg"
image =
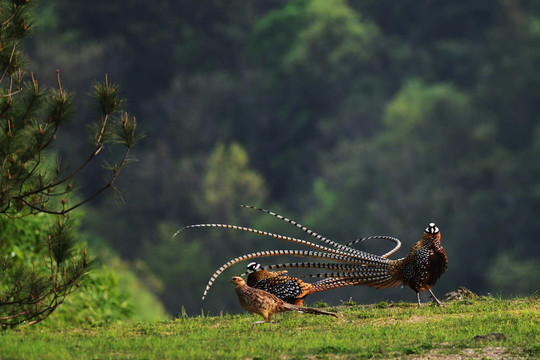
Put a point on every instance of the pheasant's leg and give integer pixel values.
(418, 297)
(268, 318)
(435, 299)
(256, 322)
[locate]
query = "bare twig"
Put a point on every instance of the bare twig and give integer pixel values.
(9, 19)
(11, 93)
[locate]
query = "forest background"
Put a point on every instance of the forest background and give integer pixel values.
(354, 118)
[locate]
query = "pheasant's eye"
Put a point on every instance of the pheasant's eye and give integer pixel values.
(432, 229)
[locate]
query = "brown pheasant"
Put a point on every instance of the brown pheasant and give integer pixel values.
(265, 304)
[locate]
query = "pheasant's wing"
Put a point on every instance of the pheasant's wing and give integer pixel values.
(284, 287)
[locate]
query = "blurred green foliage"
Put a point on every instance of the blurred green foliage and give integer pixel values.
(358, 118)
(29, 229)
(111, 292)
(229, 181)
(512, 275)
(181, 265)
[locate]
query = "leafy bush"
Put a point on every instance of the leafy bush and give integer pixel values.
(110, 292)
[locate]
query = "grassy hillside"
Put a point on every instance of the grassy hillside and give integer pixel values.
(373, 331)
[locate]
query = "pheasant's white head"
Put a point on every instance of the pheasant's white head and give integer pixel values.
(252, 267)
(432, 229)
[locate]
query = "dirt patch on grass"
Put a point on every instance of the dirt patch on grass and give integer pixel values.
(419, 319)
(494, 353)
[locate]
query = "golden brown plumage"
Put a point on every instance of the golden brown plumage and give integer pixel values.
(265, 304)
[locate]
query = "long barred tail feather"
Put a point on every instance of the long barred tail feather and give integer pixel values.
(385, 237)
(373, 277)
(360, 255)
(308, 310)
(358, 267)
(335, 283)
(330, 284)
(354, 253)
(305, 229)
(372, 273)
(300, 253)
(272, 235)
(313, 265)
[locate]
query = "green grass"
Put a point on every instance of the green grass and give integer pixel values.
(377, 331)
